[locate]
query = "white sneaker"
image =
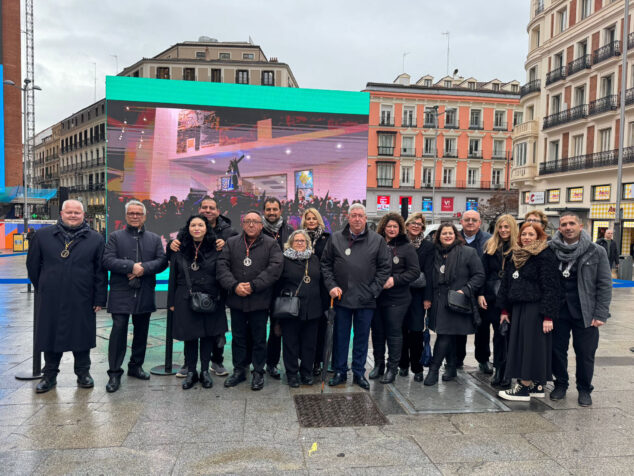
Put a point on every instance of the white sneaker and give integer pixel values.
(182, 373)
(219, 369)
(518, 393)
(536, 390)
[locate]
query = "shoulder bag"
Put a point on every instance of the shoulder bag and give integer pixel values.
(459, 302)
(286, 305)
(198, 301)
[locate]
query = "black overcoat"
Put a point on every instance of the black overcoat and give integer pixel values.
(124, 248)
(311, 304)
(404, 272)
(415, 317)
(66, 289)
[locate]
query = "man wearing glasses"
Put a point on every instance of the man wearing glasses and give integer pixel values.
(249, 266)
(134, 256)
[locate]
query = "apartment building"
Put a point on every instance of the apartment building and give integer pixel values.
(566, 149)
(459, 127)
(46, 167)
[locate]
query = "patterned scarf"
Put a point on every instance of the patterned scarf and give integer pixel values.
(315, 234)
(297, 255)
(521, 254)
(273, 228)
(416, 241)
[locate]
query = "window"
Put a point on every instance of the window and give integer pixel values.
(553, 150)
(384, 174)
(535, 38)
(450, 147)
(268, 78)
(496, 177)
(582, 48)
(631, 137)
(515, 88)
(601, 193)
(427, 83)
(428, 175)
(473, 178)
(386, 115)
(556, 104)
(606, 85)
(409, 118)
(200, 55)
(430, 117)
(496, 86)
(519, 157)
(242, 76)
(499, 120)
(604, 139)
(553, 195)
(447, 176)
(518, 118)
(574, 194)
(386, 144)
(247, 56)
(224, 56)
(471, 84)
(428, 147)
(451, 118)
(189, 74)
(586, 6)
(577, 145)
(407, 175)
(162, 72)
(499, 146)
(475, 118)
(407, 146)
(448, 83)
(628, 191)
(216, 76)
(562, 20)
(609, 35)
(474, 148)
(580, 95)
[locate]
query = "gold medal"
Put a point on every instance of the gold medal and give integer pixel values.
(348, 251)
(395, 260)
(307, 279)
(65, 253)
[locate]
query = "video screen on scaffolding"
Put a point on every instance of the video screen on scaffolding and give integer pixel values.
(170, 143)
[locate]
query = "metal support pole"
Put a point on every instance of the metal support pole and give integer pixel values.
(169, 343)
(37, 355)
(25, 154)
(619, 179)
(433, 183)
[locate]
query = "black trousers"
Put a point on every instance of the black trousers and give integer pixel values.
(191, 352)
(119, 341)
(412, 350)
(52, 360)
(585, 341)
(387, 325)
(217, 353)
(299, 339)
(244, 324)
(273, 346)
(490, 317)
(444, 348)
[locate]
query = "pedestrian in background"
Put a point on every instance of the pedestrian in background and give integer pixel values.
(612, 250)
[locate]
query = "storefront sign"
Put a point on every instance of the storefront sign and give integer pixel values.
(606, 211)
(536, 198)
(575, 194)
(446, 205)
(427, 204)
(472, 204)
(601, 192)
(383, 203)
(553, 196)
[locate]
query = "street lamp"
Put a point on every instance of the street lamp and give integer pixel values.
(27, 140)
(433, 187)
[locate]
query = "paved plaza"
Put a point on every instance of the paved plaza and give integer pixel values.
(157, 428)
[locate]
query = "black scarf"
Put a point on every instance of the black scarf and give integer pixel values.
(71, 232)
(449, 256)
(273, 228)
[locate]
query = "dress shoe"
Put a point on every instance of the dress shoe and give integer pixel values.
(486, 368)
(257, 381)
(292, 381)
(45, 385)
(317, 370)
(432, 378)
(306, 380)
(114, 382)
(234, 379)
(337, 379)
(273, 372)
(449, 374)
(403, 372)
(205, 379)
(497, 377)
(85, 381)
(389, 376)
(418, 377)
(377, 371)
(558, 393)
(190, 379)
(585, 400)
(361, 381)
(139, 373)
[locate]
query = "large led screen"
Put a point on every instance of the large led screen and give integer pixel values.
(172, 142)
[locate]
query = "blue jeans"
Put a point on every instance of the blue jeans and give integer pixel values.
(345, 319)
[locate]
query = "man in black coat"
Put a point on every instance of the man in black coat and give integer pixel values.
(64, 265)
(276, 227)
(248, 268)
(222, 229)
(355, 265)
(609, 245)
(134, 256)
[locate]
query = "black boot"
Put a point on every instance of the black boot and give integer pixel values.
(449, 373)
(389, 376)
(497, 377)
(113, 383)
(45, 385)
(190, 380)
(377, 371)
(432, 377)
(205, 379)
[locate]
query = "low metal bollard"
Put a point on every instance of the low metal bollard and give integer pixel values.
(167, 368)
(37, 356)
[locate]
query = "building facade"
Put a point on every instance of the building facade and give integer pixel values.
(566, 148)
(461, 128)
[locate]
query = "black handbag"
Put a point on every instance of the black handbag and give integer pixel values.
(459, 302)
(286, 305)
(198, 301)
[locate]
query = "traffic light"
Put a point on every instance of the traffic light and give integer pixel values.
(34, 215)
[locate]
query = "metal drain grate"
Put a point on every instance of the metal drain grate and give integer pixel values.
(341, 409)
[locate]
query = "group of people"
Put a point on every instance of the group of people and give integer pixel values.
(391, 284)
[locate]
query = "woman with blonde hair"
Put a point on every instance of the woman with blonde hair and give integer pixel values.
(497, 253)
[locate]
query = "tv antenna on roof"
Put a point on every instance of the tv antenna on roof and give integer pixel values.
(447, 34)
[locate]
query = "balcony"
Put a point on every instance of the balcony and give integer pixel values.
(581, 63)
(523, 173)
(629, 96)
(555, 75)
(476, 127)
(450, 153)
(588, 161)
(475, 154)
(452, 125)
(429, 153)
(500, 155)
(429, 125)
(528, 128)
(606, 52)
(384, 182)
(569, 115)
(385, 150)
(408, 152)
(389, 122)
(530, 87)
(500, 126)
(408, 123)
(607, 103)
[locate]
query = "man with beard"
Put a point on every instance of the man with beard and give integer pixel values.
(64, 265)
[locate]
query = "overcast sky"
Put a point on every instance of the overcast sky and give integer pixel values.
(340, 44)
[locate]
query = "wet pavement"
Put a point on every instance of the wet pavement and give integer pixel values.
(155, 427)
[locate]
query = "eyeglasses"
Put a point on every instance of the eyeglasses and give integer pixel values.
(252, 222)
(416, 224)
(355, 216)
(533, 220)
(135, 214)
(299, 241)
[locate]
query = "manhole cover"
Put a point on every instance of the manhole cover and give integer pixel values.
(341, 409)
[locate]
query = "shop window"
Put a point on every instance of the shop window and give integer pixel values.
(574, 194)
(601, 193)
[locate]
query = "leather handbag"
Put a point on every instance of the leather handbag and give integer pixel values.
(286, 305)
(198, 301)
(459, 302)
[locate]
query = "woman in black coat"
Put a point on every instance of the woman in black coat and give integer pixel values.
(496, 257)
(313, 224)
(393, 302)
(529, 300)
(414, 322)
(301, 275)
(458, 268)
(197, 258)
